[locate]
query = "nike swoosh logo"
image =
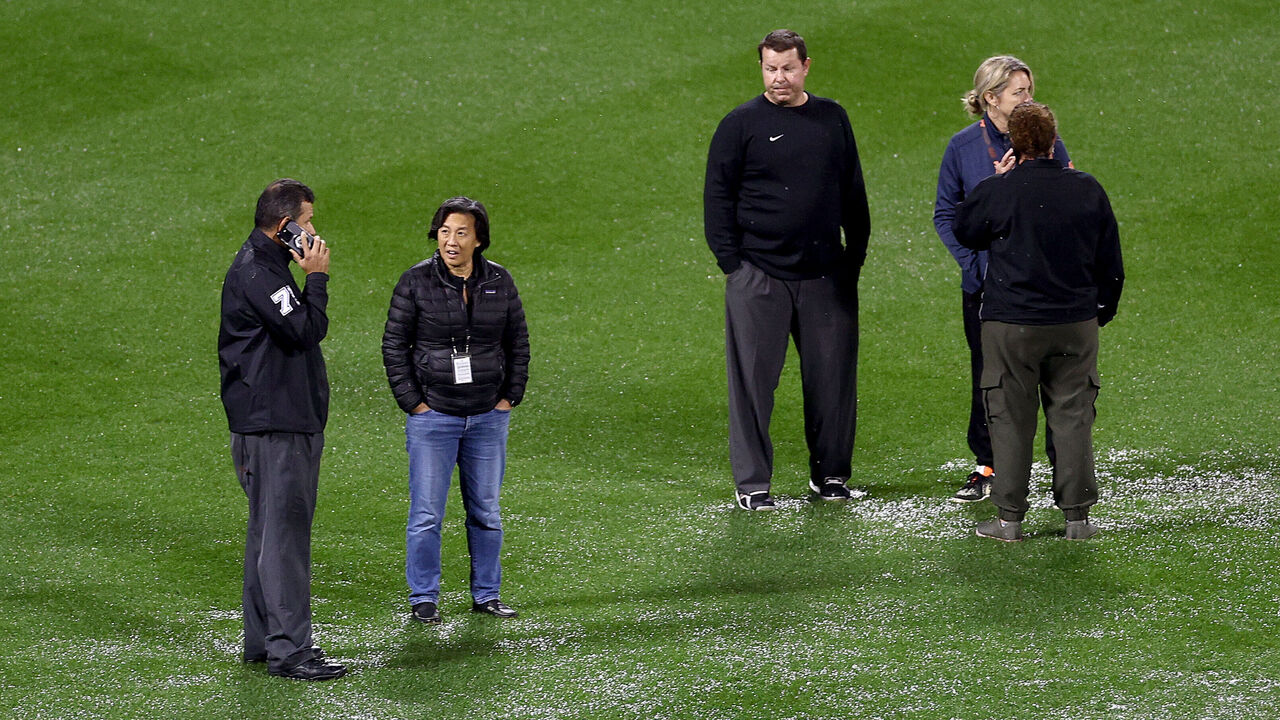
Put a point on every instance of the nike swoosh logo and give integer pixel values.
(774, 138)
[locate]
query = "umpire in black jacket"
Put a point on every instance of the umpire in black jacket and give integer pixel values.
(276, 395)
(1054, 276)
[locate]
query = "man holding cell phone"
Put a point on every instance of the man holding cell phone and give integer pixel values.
(276, 394)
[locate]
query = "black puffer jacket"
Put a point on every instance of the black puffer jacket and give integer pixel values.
(428, 321)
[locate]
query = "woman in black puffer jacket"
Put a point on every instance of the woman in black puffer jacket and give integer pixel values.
(456, 350)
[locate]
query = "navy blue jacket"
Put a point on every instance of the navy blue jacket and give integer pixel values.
(273, 374)
(965, 163)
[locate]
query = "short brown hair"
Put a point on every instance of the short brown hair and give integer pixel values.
(781, 41)
(1032, 130)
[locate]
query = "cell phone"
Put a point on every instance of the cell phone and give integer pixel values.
(292, 235)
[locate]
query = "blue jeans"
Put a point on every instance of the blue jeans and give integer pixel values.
(477, 446)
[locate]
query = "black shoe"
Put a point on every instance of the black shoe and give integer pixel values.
(832, 488)
(759, 500)
(494, 607)
(313, 669)
(976, 488)
(426, 612)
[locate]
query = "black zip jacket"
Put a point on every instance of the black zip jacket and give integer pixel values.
(273, 374)
(1054, 245)
(781, 183)
(428, 323)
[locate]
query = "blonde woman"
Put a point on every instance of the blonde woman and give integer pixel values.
(975, 153)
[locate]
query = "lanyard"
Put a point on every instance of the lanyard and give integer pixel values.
(991, 150)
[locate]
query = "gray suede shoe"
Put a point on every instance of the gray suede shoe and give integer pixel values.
(1004, 530)
(1081, 529)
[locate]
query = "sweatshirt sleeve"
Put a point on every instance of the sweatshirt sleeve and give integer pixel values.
(1109, 267)
(854, 216)
(720, 194)
(972, 225)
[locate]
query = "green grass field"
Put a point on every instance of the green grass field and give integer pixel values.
(137, 136)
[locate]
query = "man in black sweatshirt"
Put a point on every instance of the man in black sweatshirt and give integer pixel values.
(783, 179)
(1054, 275)
(276, 394)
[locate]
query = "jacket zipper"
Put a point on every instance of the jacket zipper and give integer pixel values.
(466, 312)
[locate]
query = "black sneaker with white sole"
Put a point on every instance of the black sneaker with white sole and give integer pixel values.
(758, 500)
(494, 607)
(976, 488)
(316, 668)
(831, 489)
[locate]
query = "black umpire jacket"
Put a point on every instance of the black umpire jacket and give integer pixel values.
(273, 374)
(428, 323)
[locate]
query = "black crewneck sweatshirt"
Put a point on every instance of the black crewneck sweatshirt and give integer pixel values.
(781, 183)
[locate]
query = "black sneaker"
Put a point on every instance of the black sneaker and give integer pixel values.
(314, 669)
(758, 500)
(832, 488)
(426, 612)
(976, 488)
(494, 607)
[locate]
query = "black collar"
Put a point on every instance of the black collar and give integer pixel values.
(263, 243)
(479, 270)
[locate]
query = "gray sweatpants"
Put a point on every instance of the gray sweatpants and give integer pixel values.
(821, 315)
(1021, 364)
(279, 473)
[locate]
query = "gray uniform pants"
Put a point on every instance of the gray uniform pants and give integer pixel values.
(1021, 365)
(279, 473)
(821, 315)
